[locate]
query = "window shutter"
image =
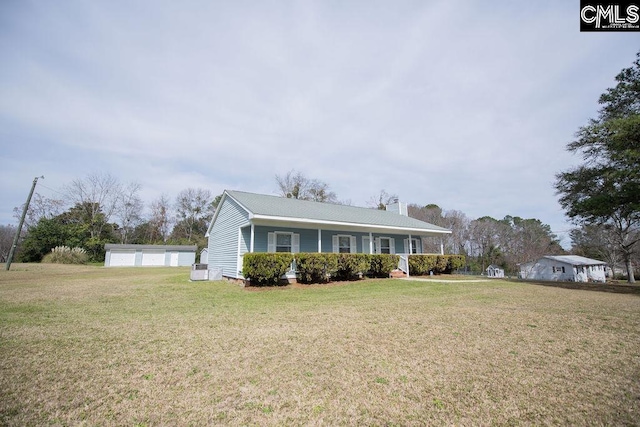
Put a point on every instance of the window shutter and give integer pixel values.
(406, 246)
(334, 241)
(295, 243)
(377, 248)
(271, 242)
(354, 245)
(392, 245)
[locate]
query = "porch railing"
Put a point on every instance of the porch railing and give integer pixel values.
(403, 264)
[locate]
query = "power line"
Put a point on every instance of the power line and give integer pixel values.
(54, 190)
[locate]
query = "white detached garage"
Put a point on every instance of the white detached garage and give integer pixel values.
(149, 255)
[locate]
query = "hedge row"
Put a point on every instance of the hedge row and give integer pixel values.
(422, 265)
(267, 268)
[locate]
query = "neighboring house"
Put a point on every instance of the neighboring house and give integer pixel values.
(569, 268)
(247, 222)
(495, 271)
(149, 255)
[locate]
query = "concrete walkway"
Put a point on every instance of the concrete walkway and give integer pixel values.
(422, 279)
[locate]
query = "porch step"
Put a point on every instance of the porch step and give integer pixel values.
(397, 274)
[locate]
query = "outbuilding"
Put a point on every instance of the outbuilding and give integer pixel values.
(569, 268)
(495, 271)
(149, 255)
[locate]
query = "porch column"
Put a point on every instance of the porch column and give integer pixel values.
(370, 242)
(253, 235)
(409, 254)
(319, 240)
(441, 246)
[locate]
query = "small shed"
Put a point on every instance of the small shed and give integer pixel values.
(204, 256)
(149, 255)
(494, 271)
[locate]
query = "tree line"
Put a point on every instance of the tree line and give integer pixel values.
(99, 209)
(601, 197)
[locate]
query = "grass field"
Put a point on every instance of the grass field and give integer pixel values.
(136, 347)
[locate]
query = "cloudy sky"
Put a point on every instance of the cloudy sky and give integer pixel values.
(466, 104)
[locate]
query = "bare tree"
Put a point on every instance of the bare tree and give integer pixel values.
(458, 223)
(128, 210)
(98, 194)
(7, 233)
(295, 185)
(40, 207)
(160, 219)
(193, 209)
(381, 200)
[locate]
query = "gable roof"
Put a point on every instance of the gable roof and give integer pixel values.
(574, 259)
(274, 208)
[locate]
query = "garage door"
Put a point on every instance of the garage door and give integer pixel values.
(122, 259)
(152, 258)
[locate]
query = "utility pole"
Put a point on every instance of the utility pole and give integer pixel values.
(24, 214)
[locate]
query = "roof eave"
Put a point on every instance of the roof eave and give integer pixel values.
(258, 219)
(225, 195)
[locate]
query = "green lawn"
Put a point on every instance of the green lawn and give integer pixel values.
(133, 347)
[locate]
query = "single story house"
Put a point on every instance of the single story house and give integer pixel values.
(149, 255)
(248, 222)
(495, 271)
(568, 268)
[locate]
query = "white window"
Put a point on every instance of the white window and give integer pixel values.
(280, 241)
(344, 244)
(385, 245)
(416, 246)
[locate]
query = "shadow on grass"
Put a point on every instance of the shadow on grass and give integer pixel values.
(616, 288)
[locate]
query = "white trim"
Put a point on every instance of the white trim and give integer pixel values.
(239, 257)
(253, 237)
(272, 241)
(225, 194)
(374, 227)
(353, 245)
(392, 244)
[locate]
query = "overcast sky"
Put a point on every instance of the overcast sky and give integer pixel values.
(466, 104)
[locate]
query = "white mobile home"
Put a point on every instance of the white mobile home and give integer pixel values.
(567, 268)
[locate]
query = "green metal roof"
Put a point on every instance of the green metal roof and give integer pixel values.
(266, 207)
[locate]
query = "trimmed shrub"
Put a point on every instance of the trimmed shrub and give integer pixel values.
(441, 264)
(316, 267)
(66, 255)
(455, 262)
(266, 268)
(382, 265)
(421, 265)
(352, 266)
